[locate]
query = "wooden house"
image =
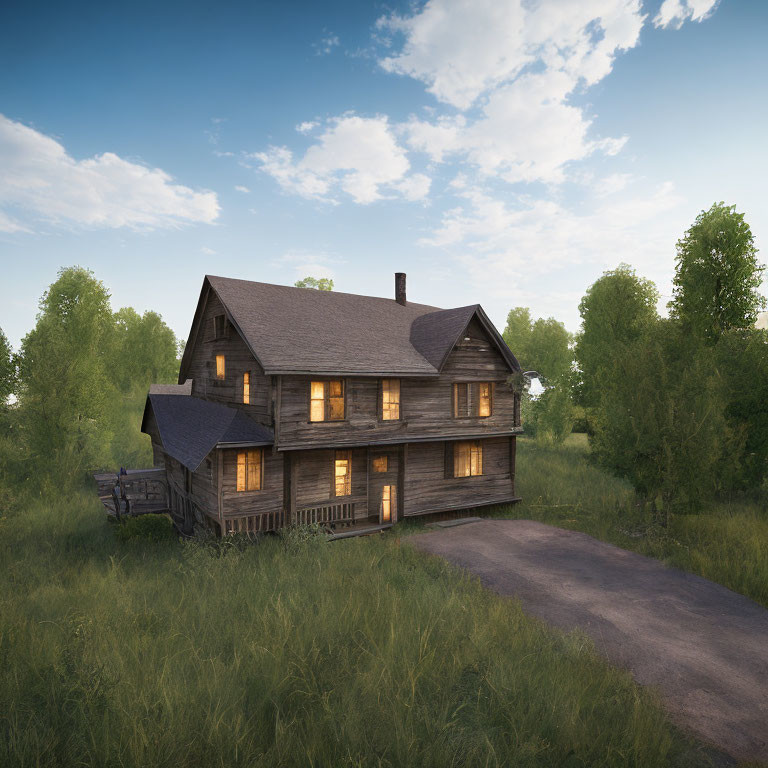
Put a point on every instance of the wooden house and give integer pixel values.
(299, 406)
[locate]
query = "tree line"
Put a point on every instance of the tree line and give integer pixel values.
(71, 398)
(677, 405)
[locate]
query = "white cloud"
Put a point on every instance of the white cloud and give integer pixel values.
(326, 44)
(306, 127)
(358, 155)
(41, 182)
(512, 67)
(516, 243)
(241, 188)
(207, 251)
(674, 13)
(306, 263)
(464, 48)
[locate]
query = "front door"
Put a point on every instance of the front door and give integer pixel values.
(382, 484)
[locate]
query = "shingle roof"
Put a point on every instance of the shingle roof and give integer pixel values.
(435, 333)
(190, 427)
(300, 330)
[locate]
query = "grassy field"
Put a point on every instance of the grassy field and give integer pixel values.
(727, 543)
(125, 652)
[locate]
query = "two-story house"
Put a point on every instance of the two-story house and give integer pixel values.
(297, 406)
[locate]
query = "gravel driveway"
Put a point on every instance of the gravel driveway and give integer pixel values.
(703, 646)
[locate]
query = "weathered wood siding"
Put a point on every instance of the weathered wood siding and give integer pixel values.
(312, 473)
(426, 405)
(202, 368)
(268, 499)
(203, 495)
(427, 489)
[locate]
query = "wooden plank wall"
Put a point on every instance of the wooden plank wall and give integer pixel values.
(268, 499)
(202, 368)
(426, 404)
(312, 472)
(427, 489)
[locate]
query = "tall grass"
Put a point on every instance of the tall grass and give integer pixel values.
(724, 542)
(289, 653)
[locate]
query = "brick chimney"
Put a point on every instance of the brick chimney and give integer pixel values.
(400, 287)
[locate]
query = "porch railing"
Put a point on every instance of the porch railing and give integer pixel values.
(326, 513)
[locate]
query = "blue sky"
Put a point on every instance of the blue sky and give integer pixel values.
(505, 153)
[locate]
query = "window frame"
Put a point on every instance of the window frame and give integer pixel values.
(246, 388)
(450, 458)
(220, 326)
(473, 399)
(260, 478)
(380, 401)
(223, 375)
(326, 400)
(341, 454)
(381, 459)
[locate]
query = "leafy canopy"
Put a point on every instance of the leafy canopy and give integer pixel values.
(717, 278)
(615, 311)
(317, 283)
(544, 346)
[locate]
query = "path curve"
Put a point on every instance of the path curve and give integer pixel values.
(704, 646)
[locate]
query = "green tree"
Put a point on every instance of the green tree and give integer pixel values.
(7, 370)
(143, 351)
(717, 278)
(64, 386)
(661, 423)
(742, 358)
(615, 311)
(318, 283)
(544, 346)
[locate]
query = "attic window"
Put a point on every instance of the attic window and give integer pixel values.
(473, 398)
(221, 369)
(326, 400)
(219, 326)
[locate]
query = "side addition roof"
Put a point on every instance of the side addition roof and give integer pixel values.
(190, 428)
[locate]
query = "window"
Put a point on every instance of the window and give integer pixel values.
(326, 400)
(386, 503)
(467, 459)
(390, 399)
(246, 387)
(219, 326)
(380, 464)
(250, 465)
(342, 473)
(220, 367)
(472, 399)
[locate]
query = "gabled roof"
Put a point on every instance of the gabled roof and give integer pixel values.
(300, 330)
(190, 428)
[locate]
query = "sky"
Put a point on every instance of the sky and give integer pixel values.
(501, 152)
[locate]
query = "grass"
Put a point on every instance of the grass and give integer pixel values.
(726, 542)
(141, 651)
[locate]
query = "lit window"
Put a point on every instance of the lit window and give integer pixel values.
(380, 464)
(467, 459)
(246, 387)
(220, 367)
(390, 399)
(342, 474)
(386, 503)
(326, 400)
(249, 469)
(484, 399)
(472, 399)
(335, 400)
